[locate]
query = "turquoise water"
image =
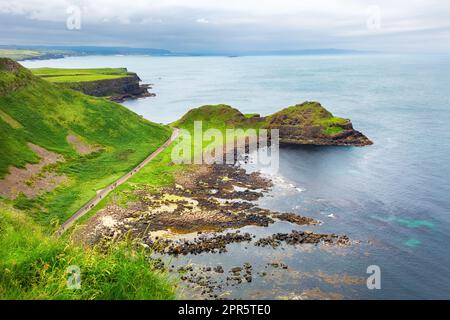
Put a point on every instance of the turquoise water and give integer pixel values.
(394, 196)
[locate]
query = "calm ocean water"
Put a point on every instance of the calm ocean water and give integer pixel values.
(394, 196)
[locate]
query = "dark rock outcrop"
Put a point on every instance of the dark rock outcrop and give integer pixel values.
(118, 89)
(312, 135)
(310, 123)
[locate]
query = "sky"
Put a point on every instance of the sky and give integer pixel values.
(230, 25)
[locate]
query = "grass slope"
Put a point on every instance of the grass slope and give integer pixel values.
(46, 115)
(34, 266)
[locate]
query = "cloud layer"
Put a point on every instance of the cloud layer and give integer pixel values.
(232, 25)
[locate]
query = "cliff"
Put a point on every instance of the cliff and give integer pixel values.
(308, 123)
(311, 123)
(117, 84)
(118, 89)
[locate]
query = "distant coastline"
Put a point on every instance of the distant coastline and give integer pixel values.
(23, 53)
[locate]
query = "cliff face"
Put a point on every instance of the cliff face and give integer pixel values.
(116, 89)
(310, 123)
(304, 124)
(313, 136)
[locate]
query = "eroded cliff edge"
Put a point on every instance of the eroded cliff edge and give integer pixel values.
(311, 123)
(117, 84)
(308, 123)
(118, 89)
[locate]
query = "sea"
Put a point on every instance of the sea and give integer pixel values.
(392, 198)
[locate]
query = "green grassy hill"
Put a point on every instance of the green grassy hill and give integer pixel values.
(309, 114)
(223, 116)
(219, 116)
(33, 110)
(305, 123)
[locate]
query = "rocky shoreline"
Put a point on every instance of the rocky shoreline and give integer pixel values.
(202, 213)
(302, 237)
(205, 200)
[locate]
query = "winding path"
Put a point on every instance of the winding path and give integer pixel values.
(104, 192)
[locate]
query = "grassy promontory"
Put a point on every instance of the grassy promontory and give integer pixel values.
(306, 123)
(117, 84)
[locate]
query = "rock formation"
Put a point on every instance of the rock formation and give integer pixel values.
(310, 123)
(117, 89)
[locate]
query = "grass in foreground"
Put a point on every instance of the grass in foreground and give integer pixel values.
(34, 266)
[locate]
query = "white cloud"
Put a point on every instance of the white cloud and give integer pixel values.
(202, 20)
(340, 21)
(324, 13)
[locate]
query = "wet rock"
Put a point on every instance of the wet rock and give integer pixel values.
(219, 269)
(214, 244)
(296, 219)
(302, 237)
(236, 270)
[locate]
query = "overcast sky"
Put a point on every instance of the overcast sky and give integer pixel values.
(231, 25)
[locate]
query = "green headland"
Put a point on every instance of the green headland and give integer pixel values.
(305, 123)
(116, 84)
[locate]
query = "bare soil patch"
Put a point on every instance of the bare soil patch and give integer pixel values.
(80, 146)
(34, 179)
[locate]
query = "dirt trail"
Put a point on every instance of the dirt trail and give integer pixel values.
(104, 192)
